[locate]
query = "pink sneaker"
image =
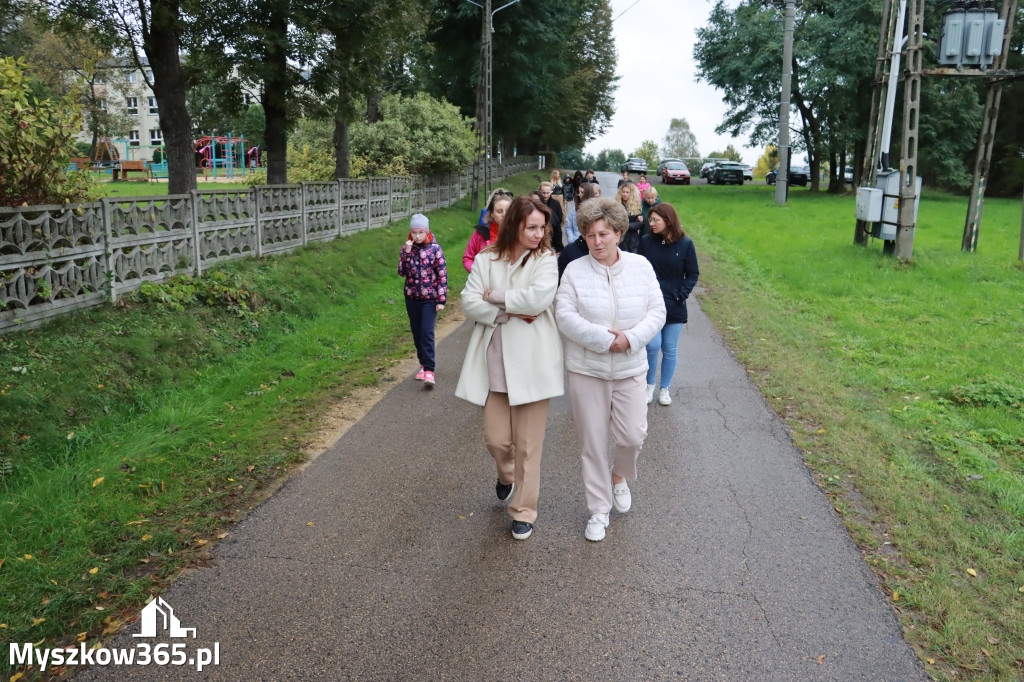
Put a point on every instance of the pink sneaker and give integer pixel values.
(420, 374)
(428, 379)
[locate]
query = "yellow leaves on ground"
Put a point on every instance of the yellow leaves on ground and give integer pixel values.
(201, 542)
(37, 621)
(895, 596)
(71, 435)
(147, 536)
(81, 636)
(17, 676)
(97, 481)
(971, 572)
(94, 570)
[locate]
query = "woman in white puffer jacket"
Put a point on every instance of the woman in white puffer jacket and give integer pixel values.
(608, 307)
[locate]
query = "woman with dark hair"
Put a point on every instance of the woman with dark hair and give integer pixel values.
(577, 247)
(608, 307)
(487, 231)
(674, 259)
(513, 364)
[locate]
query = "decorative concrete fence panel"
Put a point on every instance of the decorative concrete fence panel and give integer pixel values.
(281, 217)
(57, 259)
(52, 261)
(224, 225)
(148, 239)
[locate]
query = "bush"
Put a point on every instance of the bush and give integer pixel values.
(424, 135)
(36, 143)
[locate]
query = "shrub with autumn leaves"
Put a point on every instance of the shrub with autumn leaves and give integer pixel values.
(37, 141)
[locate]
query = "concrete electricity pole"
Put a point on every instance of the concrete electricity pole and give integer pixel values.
(782, 178)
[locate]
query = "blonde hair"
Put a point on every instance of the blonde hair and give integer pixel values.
(555, 177)
(651, 192)
(633, 206)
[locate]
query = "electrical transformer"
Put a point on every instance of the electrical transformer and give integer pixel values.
(972, 35)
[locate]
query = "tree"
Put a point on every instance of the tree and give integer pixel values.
(833, 62)
(767, 161)
(729, 153)
(680, 142)
(37, 140)
(150, 33)
(648, 151)
(76, 65)
(559, 57)
(427, 135)
(608, 160)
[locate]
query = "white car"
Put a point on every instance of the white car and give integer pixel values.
(748, 174)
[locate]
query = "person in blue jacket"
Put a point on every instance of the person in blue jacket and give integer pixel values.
(674, 259)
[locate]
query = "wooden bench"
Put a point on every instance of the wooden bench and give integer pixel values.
(79, 163)
(131, 167)
(157, 171)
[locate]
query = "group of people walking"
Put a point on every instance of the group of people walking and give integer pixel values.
(602, 312)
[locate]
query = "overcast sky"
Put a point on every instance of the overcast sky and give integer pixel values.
(655, 40)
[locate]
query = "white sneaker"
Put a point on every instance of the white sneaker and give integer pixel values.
(595, 527)
(664, 398)
(650, 393)
(621, 498)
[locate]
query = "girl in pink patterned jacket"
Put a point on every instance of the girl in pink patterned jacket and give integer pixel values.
(422, 263)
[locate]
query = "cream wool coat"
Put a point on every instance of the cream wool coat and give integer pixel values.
(594, 298)
(532, 352)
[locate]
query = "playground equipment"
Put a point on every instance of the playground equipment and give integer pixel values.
(225, 154)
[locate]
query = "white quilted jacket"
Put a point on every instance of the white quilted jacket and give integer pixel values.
(593, 298)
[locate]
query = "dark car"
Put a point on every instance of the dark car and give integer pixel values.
(675, 171)
(634, 165)
(727, 173)
(798, 175)
(705, 170)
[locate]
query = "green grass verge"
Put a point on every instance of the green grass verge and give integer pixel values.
(904, 386)
(133, 436)
(135, 188)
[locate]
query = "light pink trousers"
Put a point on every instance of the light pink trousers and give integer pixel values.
(514, 435)
(602, 408)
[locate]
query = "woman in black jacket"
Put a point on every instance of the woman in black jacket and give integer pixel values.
(674, 259)
(632, 202)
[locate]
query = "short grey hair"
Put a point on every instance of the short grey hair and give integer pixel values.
(608, 209)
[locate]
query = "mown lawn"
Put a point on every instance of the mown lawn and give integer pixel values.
(132, 437)
(904, 386)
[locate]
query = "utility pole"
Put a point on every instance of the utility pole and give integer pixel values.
(869, 172)
(782, 178)
(485, 103)
(911, 112)
(983, 156)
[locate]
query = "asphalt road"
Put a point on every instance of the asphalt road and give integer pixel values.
(389, 557)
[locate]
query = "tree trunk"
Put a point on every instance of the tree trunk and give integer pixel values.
(162, 46)
(341, 150)
(275, 95)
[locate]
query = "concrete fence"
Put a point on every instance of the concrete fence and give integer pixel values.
(56, 259)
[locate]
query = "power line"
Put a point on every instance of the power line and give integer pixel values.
(626, 10)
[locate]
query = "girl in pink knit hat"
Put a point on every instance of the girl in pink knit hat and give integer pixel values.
(421, 262)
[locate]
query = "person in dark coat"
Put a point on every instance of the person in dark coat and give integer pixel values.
(632, 202)
(557, 217)
(577, 247)
(674, 259)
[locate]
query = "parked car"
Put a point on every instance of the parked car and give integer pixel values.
(848, 175)
(727, 173)
(675, 171)
(798, 175)
(665, 162)
(748, 173)
(705, 170)
(634, 165)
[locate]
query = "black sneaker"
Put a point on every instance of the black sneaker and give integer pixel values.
(521, 530)
(504, 490)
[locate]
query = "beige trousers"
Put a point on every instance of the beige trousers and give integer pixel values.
(603, 407)
(514, 435)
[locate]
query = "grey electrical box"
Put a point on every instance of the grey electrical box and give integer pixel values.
(869, 204)
(889, 185)
(952, 37)
(971, 35)
(993, 45)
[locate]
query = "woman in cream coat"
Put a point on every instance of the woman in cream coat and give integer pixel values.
(513, 364)
(608, 307)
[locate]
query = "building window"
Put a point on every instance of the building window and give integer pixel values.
(99, 80)
(133, 138)
(149, 75)
(103, 104)
(131, 105)
(129, 77)
(153, 108)
(156, 137)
